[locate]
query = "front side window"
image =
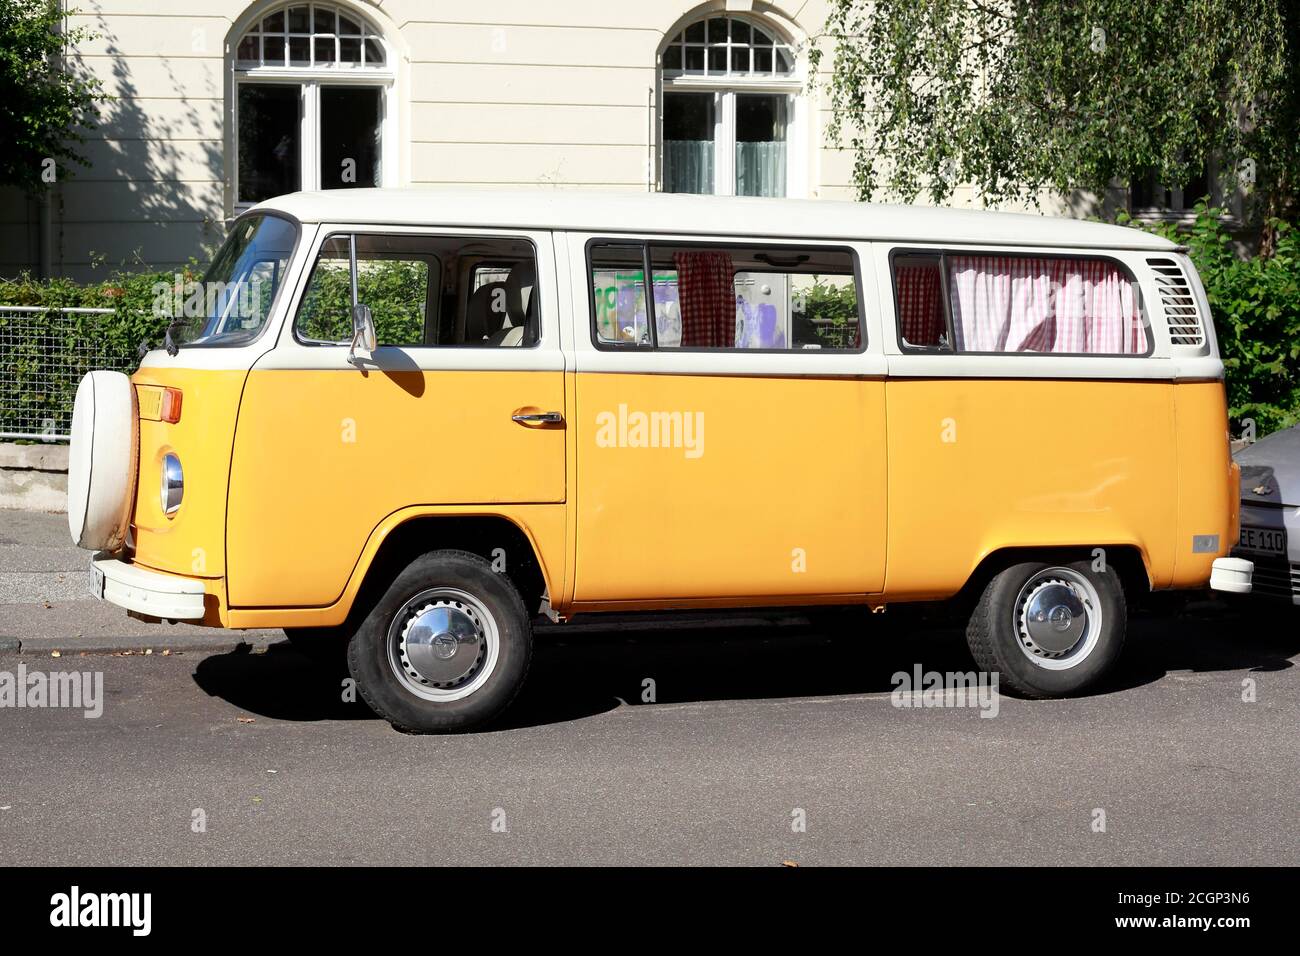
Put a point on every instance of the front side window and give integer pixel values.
(233, 302)
(724, 127)
(1015, 303)
(423, 291)
(311, 83)
(728, 298)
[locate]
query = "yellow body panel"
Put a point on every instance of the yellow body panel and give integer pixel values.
(980, 465)
(803, 490)
(193, 541)
(323, 458)
(785, 499)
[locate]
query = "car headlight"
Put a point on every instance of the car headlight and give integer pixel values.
(173, 484)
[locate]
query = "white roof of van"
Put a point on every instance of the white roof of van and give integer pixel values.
(615, 212)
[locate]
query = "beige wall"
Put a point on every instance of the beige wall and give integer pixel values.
(553, 93)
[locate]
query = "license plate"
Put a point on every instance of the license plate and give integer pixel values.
(96, 583)
(1263, 540)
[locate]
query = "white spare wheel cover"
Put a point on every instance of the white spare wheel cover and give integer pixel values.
(102, 461)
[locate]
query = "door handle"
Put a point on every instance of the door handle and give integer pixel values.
(537, 418)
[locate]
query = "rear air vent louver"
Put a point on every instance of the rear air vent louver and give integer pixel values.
(1178, 302)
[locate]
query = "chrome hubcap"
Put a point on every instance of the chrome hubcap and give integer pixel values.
(443, 644)
(1058, 618)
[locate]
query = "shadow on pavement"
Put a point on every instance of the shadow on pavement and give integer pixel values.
(583, 671)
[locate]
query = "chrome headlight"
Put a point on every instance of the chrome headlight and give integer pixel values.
(173, 484)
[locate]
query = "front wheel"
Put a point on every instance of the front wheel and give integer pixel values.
(1049, 630)
(445, 648)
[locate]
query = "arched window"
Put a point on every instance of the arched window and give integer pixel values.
(313, 86)
(728, 98)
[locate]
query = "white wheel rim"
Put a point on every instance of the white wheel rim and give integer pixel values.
(443, 644)
(1052, 630)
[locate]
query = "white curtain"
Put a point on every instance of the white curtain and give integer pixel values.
(760, 169)
(1022, 304)
(688, 166)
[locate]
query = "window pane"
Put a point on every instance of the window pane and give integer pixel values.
(273, 51)
(393, 275)
(269, 146)
(410, 283)
(1051, 305)
(717, 30)
(299, 51)
(241, 283)
(762, 60)
(350, 132)
(298, 20)
(349, 49)
(739, 31)
(740, 59)
(249, 51)
(273, 23)
(760, 145)
(695, 33)
(717, 59)
(374, 53)
(688, 142)
(324, 49)
(673, 58)
(348, 27)
(695, 59)
(618, 294)
(918, 301)
(324, 20)
(755, 298)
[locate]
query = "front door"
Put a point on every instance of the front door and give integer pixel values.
(326, 447)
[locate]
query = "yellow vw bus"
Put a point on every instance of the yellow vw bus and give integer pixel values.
(414, 421)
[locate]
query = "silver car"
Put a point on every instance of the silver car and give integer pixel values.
(1270, 514)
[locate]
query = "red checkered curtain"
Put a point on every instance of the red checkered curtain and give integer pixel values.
(1097, 309)
(920, 304)
(706, 294)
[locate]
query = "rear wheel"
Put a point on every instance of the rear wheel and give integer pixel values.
(447, 646)
(1049, 630)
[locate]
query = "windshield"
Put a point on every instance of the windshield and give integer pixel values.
(233, 302)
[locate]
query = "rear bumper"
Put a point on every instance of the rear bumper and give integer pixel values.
(167, 596)
(1232, 575)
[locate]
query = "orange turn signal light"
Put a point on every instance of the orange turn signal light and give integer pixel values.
(171, 405)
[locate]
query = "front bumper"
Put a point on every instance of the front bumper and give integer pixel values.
(167, 596)
(1232, 575)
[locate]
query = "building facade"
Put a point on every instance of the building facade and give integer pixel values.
(218, 104)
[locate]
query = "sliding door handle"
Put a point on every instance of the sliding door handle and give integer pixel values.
(538, 418)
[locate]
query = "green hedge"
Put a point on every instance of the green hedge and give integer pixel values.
(45, 354)
(1256, 307)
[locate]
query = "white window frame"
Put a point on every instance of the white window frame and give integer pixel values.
(310, 80)
(724, 90)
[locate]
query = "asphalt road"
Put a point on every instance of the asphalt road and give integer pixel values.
(756, 724)
(751, 724)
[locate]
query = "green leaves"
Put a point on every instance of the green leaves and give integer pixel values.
(1023, 96)
(44, 104)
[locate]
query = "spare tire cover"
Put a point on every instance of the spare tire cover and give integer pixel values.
(102, 461)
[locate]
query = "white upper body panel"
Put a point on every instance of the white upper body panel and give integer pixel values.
(704, 215)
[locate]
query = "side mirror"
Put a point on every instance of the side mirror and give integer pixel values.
(363, 334)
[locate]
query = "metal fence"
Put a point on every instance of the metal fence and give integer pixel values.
(43, 355)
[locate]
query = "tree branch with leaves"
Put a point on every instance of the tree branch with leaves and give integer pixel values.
(1018, 97)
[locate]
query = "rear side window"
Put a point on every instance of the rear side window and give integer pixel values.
(1065, 305)
(724, 298)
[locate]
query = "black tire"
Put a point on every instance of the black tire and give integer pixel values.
(325, 647)
(993, 633)
(378, 669)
